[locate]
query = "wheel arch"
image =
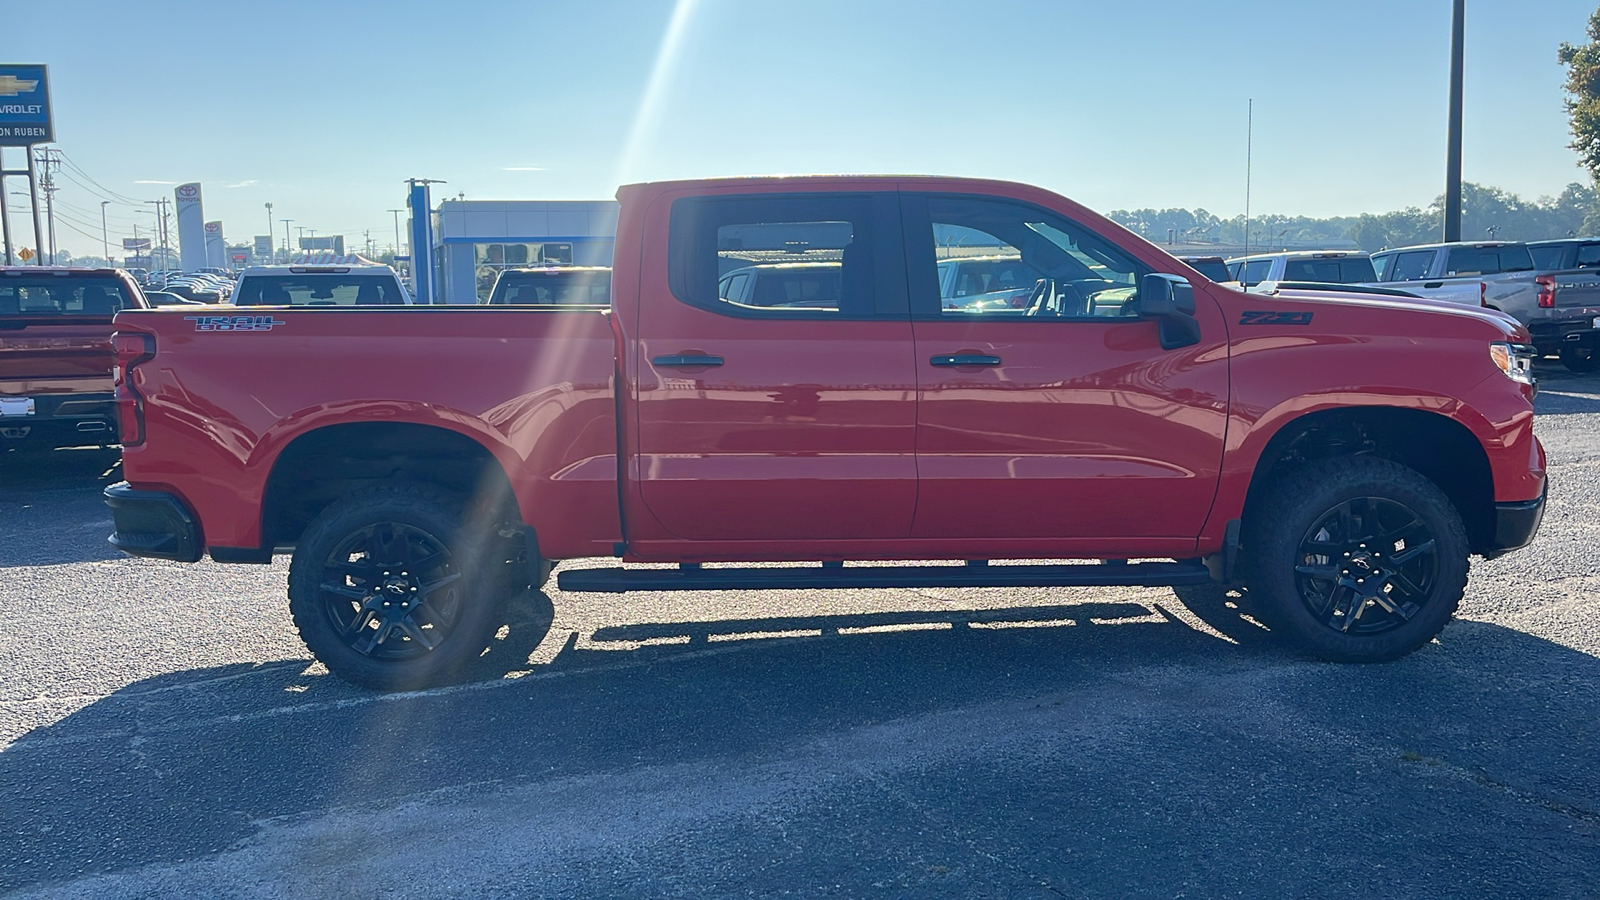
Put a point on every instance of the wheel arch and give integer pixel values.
(320, 464)
(1439, 446)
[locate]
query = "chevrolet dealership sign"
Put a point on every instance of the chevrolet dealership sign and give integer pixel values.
(24, 106)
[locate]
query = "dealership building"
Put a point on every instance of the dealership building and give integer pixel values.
(475, 239)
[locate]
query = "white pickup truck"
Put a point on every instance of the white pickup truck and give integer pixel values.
(1497, 274)
(347, 285)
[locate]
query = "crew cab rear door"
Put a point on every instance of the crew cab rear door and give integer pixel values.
(787, 410)
(1065, 418)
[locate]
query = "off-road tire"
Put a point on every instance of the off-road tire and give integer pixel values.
(1278, 526)
(478, 555)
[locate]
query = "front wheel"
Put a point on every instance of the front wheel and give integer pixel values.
(1581, 360)
(392, 589)
(1356, 559)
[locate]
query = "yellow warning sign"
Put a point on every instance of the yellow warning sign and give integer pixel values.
(25, 253)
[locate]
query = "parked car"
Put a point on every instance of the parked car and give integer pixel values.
(427, 465)
(1325, 266)
(56, 355)
(319, 286)
(197, 291)
(1496, 274)
(813, 285)
(167, 298)
(1212, 267)
(986, 282)
(552, 286)
(1568, 320)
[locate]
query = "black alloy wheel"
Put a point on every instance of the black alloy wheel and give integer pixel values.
(1367, 566)
(1355, 559)
(392, 591)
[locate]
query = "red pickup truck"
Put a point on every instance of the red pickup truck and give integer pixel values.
(55, 354)
(1131, 421)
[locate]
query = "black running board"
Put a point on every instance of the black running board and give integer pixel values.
(614, 580)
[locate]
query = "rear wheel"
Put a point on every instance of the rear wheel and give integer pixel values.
(1581, 359)
(391, 589)
(1356, 559)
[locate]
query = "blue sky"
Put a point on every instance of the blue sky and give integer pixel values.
(324, 108)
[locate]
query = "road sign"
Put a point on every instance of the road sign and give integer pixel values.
(25, 253)
(24, 106)
(136, 244)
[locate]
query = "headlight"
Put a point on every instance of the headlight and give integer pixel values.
(1516, 360)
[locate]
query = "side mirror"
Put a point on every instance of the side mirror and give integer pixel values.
(1169, 300)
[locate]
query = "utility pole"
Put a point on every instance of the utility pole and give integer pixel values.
(286, 253)
(301, 229)
(397, 213)
(47, 184)
(270, 241)
(33, 198)
(105, 241)
(1452, 164)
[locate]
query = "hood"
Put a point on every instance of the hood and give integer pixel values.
(1507, 326)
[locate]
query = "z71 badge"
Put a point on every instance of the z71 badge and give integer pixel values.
(234, 323)
(1266, 317)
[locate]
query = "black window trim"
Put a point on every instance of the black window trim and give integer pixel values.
(888, 253)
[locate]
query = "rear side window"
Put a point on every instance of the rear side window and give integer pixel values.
(787, 256)
(1340, 270)
(579, 287)
(315, 289)
(1411, 266)
(1550, 258)
(1588, 257)
(63, 296)
(1488, 260)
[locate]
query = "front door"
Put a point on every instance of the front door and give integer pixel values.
(776, 391)
(1047, 407)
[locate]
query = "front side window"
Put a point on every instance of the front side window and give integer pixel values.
(787, 256)
(1004, 259)
(1257, 270)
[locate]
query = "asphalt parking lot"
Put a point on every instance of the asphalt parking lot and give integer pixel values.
(164, 732)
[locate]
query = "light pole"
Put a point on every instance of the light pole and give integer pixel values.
(302, 231)
(397, 213)
(285, 238)
(105, 242)
(270, 241)
(1452, 162)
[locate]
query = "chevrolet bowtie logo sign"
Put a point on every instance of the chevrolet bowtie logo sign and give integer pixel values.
(11, 86)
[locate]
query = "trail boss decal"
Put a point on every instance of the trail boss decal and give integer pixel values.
(233, 323)
(1264, 317)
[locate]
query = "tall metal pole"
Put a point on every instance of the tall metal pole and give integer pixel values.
(286, 253)
(49, 188)
(33, 197)
(397, 213)
(105, 240)
(270, 233)
(5, 210)
(1452, 170)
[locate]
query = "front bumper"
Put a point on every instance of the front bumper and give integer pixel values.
(152, 523)
(1515, 524)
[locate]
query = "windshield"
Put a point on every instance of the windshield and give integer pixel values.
(316, 289)
(578, 287)
(79, 296)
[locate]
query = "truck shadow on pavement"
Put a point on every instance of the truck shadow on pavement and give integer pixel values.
(190, 764)
(41, 526)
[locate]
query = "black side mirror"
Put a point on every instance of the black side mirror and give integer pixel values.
(1169, 299)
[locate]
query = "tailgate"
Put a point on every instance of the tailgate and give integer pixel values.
(48, 350)
(1578, 292)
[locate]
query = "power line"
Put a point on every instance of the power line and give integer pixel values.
(111, 194)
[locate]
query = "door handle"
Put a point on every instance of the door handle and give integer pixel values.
(686, 361)
(964, 360)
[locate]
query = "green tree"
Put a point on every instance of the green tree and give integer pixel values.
(1583, 95)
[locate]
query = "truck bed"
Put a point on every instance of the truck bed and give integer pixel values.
(535, 386)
